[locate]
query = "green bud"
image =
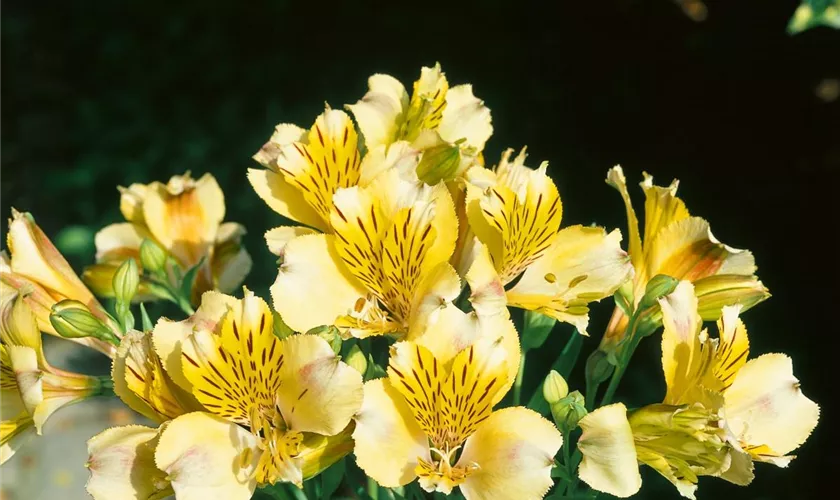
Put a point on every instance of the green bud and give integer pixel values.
(439, 163)
(152, 256)
(624, 298)
(554, 387)
(330, 334)
(126, 280)
(657, 287)
(357, 360)
(568, 411)
(598, 367)
(73, 320)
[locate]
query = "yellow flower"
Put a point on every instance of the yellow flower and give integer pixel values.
(387, 256)
(289, 392)
(142, 383)
(683, 247)
(183, 216)
(42, 277)
(721, 412)
(32, 389)
(516, 212)
(434, 112)
(433, 417)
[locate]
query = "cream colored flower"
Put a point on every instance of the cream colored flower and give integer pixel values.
(183, 216)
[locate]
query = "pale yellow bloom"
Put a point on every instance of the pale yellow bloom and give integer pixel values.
(38, 272)
(681, 246)
(516, 212)
(387, 255)
(438, 402)
(721, 412)
(432, 114)
(183, 216)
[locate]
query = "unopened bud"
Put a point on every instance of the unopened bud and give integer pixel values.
(568, 411)
(554, 387)
(73, 320)
(126, 280)
(598, 368)
(330, 334)
(357, 360)
(657, 287)
(152, 256)
(439, 163)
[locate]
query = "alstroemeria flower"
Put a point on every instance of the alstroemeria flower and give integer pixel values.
(433, 113)
(433, 419)
(290, 393)
(683, 247)
(183, 216)
(32, 388)
(516, 212)
(38, 272)
(388, 254)
(142, 383)
(16, 424)
(720, 412)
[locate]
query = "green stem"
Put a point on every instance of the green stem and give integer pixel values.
(517, 385)
(106, 386)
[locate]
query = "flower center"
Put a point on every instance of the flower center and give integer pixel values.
(441, 474)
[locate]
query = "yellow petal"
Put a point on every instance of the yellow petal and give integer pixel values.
(284, 198)
(313, 288)
(24, 363)
(465, 117)
(327, 161)
(765, 406)
(609, 455)
(686, 249)
(732, 350)
(388, 439)
(15, 429)
(399, 156)
(379, 112)
(168, 336)
(122, 465)
(284, 134)
(35, 257)
(18, 324)
(119, 241)
(185, 220)
(131, 202)
(585, 264)
(201, 454)
(231, 262)
(514, 450)
(435, 292)
(662, 207)
(487, 292)
(319, 392)
(278, 237)
(616, 179)
(685, 360)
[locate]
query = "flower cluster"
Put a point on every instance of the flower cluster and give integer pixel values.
(391, 332)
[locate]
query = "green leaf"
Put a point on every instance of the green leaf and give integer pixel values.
(536, 329)
(331, 478)
(189, 279)
(562, 365)
(144, 316)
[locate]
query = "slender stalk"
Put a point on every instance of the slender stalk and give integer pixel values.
(372, 488)
(517, 384)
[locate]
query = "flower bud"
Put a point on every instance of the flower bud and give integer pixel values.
(152, 256)
(357, 360)
(715, 292)
(330, 334)
(554, 387)
(598, 367)
(126, 280)
(568, 411)
(657, 287)
(439, 163)
(72, 319)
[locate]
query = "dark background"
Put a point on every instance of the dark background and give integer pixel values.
(97, 94)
